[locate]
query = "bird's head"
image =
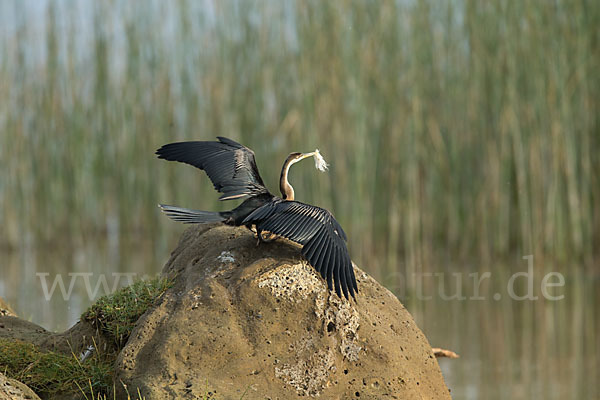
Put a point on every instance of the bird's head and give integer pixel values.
(287, 191)
(320, 163)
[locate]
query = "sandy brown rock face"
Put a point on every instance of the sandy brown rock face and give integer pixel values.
(17, 328)
(260, 321)
(74, 340)
(14, 390)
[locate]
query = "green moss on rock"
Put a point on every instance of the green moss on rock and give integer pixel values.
(115, 315)
(48, 373)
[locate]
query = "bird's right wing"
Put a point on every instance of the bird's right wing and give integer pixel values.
(322, 238)
(229, 165)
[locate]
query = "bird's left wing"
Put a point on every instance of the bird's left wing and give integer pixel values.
(322, 238)
(229, 165)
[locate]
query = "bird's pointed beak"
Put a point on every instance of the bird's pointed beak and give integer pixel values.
(306, 155)
(302, 157)
(320, 162)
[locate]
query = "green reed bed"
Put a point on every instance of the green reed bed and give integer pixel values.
(463, 127)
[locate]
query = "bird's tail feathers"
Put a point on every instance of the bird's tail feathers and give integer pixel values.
(188, 216)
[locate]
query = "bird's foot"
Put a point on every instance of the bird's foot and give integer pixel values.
(264, 237)
(267, 237)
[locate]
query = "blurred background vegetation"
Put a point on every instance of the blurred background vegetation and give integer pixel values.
(461, 135)
(464, 127)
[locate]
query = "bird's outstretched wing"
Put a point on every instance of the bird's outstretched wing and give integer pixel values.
(229, 165)
(322, 238)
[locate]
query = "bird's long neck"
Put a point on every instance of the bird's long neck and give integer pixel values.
(287, 191)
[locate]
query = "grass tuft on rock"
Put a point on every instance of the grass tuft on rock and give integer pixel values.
(116, 315)
(49, 373)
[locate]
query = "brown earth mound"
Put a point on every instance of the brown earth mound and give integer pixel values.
(257, 322)
(14, 390)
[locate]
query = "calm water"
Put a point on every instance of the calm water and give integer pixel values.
(510, 349)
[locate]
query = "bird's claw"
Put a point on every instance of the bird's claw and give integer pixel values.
(269, 237)
(264, 237)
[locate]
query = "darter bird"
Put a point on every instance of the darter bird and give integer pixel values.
(232, 169)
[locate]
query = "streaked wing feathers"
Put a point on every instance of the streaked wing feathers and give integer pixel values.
(230, 166)
(322, 238)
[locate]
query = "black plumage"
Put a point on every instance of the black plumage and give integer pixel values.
(229, 165)
(233, 172)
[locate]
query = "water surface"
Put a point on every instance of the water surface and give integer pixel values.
(510, 349)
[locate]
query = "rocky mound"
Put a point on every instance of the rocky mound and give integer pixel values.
(14, 390)
(251, 321)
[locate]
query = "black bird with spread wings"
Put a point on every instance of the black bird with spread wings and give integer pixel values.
(232, 169)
